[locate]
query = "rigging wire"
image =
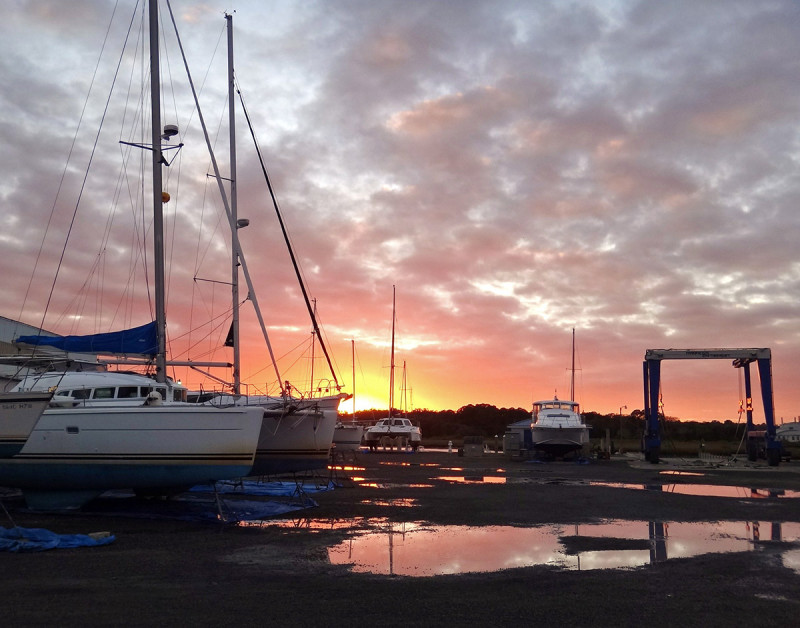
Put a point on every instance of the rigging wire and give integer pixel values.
(288, 242)
(222, 191)
(63, 177)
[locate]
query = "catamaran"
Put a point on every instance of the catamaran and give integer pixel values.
(77, 449)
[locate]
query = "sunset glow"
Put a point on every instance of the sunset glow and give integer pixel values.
(517, 170)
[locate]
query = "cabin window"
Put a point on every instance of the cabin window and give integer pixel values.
(103, 393)
(81, 393)
(127, 392)
(161, 391)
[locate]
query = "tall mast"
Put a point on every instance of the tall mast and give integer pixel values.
(391, 364)
(404, 413)
(353, 357)
(572, 370)
(225, 203)
(158, 208)
(313, 346)
(234, 214)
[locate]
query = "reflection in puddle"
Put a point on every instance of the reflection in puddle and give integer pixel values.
(364, 483)
(462, 468)
(472, 479)
(405, 502)
(705, 490)
(417, 549)
(314, 525)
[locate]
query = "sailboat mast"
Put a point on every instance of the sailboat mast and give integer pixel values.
(313, 346)
(226, 204)
(158, 208)
(234, 214)
(353, 357)
(572, 370)
(391, 364)
(405, 392)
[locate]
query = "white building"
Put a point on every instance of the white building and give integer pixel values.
(789, 432)
(13, 365)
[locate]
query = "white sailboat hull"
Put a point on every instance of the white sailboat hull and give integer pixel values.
(347, 437)
(19, 413)
(75, 454)
(296, 434)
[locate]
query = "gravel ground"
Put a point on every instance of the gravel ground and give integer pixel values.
(171, 572)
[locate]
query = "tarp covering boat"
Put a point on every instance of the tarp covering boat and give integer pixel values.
(139, 340)
(277, 488)
(38, 539)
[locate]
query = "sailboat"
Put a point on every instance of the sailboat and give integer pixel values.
(393, 431)
(348, 435)
(297, 431)
(79, 448)
(557, 427)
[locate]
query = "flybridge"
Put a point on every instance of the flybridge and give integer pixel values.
(742, 358)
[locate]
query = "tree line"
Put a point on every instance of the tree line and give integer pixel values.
(489, 421)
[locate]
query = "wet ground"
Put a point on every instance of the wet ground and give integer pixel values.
(433, 538)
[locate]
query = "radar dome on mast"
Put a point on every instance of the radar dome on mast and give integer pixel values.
(170, 130)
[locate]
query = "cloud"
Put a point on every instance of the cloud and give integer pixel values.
(516, 170)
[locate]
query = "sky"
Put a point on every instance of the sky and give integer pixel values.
(512, 170)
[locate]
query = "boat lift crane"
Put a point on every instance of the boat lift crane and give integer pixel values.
(742, 358)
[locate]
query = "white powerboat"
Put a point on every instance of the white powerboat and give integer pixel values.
(391, 432)
(557, 428)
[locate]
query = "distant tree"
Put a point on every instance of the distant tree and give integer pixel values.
(487, 421)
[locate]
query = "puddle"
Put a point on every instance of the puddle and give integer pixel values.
(462, 469)
(417, 549)
(364, 483)
(408, 502)
(706, 490)
(314, 525)
(472, 479)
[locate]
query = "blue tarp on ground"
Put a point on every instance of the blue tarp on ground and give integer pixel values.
(190, 508)
(199, 504)
(272, 489)
(242, 510)
(39, 539)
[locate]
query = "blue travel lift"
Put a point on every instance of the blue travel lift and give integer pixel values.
(757, 440)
